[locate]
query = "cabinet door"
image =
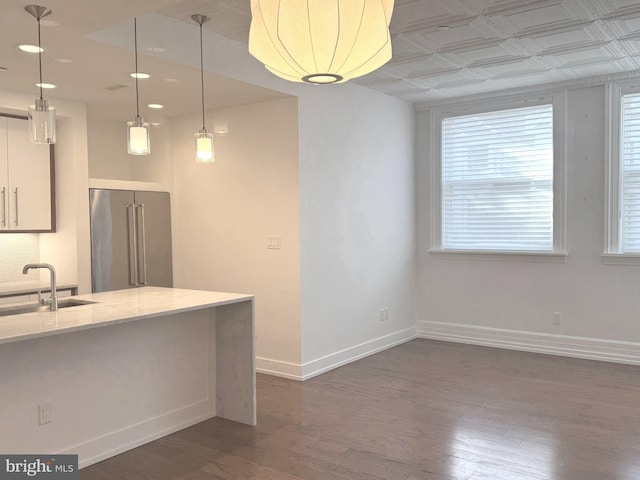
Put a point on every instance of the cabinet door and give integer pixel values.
(29, 167)
(4, 179)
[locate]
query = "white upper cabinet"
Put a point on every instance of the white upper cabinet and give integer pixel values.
(26, 195)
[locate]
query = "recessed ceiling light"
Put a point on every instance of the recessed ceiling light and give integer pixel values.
(26, 47)
(62, 60)
(156, 49)
(155, 124)
(45, 85)
(155, 105)
(49, 23)
(444, 27)
(171, 80)
(139, 75)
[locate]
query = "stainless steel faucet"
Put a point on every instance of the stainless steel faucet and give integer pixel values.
(53, 301)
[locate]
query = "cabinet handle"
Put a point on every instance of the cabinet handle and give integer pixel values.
(16, 194)
(4, 207)
(133, 246)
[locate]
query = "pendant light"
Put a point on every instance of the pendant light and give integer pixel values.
(42, 116)
(203, 138)
(137, 130)
(317, 41)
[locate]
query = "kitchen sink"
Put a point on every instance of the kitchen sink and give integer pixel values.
(36, 307)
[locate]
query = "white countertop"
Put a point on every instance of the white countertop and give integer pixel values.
(113, 307)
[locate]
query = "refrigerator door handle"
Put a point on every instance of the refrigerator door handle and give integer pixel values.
(16, 194)
(4, 207)
(143, 240)
(133, 245)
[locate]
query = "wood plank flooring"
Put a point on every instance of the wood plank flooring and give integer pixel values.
(424, 410)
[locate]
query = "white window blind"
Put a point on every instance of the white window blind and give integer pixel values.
(630, 175)
(497, 180)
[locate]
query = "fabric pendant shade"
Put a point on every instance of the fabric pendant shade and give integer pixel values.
(321, 41)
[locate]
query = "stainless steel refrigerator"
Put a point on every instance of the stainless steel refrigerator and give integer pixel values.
(130, 239)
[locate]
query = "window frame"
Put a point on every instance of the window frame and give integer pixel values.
(557, 99)
(613, 182)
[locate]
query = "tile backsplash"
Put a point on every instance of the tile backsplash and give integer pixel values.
(16, 250)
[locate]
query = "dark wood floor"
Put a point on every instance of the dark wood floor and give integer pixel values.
(422, 411)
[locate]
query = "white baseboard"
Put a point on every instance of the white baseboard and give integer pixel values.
(114, 443)
(351, 354)
(563, 345)
(296, 371)
(277, 368)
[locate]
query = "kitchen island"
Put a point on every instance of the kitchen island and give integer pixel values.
(136, 365)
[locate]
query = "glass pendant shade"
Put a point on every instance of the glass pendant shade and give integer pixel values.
(138, 141)
(204, 146)
(318, 41)
(41, 116)
(203, 138)
(42, 122)
(138, 137)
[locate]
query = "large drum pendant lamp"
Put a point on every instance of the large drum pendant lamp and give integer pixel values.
(321, 41)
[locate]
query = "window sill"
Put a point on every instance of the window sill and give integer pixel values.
(620, 259)
(501, 256)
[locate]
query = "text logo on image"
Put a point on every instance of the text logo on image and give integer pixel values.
(49, 467)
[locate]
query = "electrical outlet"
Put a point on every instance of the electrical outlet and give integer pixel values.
(44, 414)
(557, 318)
(382, 315)
(386, 314)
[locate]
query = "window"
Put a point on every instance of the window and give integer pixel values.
(623, 199)
(499, 179)
(630, 174)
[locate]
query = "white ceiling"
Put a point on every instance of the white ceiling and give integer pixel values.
(442, 48)
(97, 66)
(490, 45)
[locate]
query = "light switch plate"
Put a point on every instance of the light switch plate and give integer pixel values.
(274, 242)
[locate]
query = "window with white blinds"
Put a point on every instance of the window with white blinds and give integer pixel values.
(497, 180)
(630, 175)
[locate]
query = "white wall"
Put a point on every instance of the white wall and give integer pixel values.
(222, 213)
(108, 157)
(68, 249)
(107, 144)
(62, 248)
(597, 301)
(357, 203)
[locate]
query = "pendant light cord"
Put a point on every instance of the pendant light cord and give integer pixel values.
(39, 57)
(135, 43)
(202, 77)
